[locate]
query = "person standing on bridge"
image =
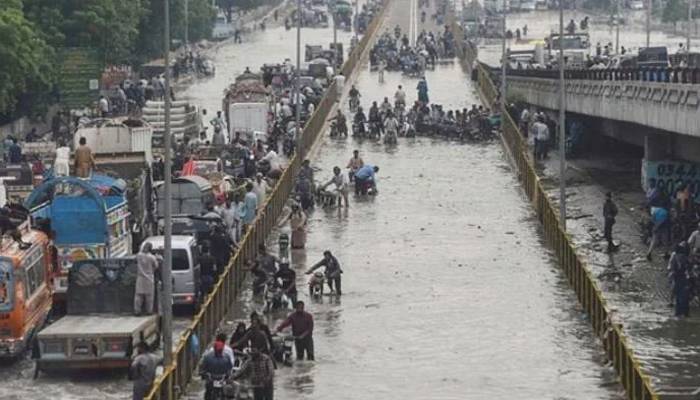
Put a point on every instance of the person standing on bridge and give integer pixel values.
(609, 214)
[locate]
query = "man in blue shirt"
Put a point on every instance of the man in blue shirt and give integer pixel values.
(363, 177)
(250, 206)
(662, 225)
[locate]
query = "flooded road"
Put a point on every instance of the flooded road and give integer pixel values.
(448, 292)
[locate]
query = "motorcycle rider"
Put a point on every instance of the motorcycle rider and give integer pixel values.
(360, 121)
(354, 164)
(354, 97)
(288, 278)
(391, 125)
(341, 124)
(364, 175)
(260, 369)
(332, 271)
(375, 119)
(215, 363)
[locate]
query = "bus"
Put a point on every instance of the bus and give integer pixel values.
(88, 218)
(25, 289)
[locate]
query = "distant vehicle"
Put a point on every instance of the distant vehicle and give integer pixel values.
(636, 5)
(185, 268)
(18, 180)
(653, 57)
(541, 5)
(496, 6)
(25, 290)
(576, 47)
(689, 60)
(190, 195)
(246, 107)
(222, 28)
(99, 330)
(184, 121)
(528, 5)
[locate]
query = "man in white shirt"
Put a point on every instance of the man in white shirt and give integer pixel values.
(541, 132)
(524, 121)
(104, 107)
(273, 159)
(260, 188)
(400, 96)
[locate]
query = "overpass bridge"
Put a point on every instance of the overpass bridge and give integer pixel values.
(655, 108)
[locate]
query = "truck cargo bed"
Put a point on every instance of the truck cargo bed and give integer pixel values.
(80, 326)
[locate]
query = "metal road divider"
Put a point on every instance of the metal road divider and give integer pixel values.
(616, 344)
(175, 377)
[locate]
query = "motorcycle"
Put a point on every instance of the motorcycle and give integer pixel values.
(275, 299)
(219, 386)
(365, 187)
(282, 349)
(316, 285)
(338, 130)
(390, 138)
(375, 129)
(358, 130)
(354, 104)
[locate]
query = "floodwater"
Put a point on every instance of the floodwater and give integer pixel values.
(448, 292)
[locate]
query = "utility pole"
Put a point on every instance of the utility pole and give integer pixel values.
(690, 20)
(504, 61)
(562, 121)
(336, 58)
(650, 4)
(166, 274)
(187, 23)
(617, 27)
(357, 19)
(297, 103)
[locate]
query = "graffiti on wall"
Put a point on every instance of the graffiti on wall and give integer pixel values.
(671, 175)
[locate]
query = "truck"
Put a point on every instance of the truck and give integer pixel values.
(122, 144)
(99, 330)
(88, 219)
(184, 121)
(247, 108)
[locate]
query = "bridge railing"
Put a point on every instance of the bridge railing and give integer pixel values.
(652, 74)
(194, 340)
(616, 344)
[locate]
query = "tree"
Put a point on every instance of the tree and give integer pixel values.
(674, 11)
(26, 65)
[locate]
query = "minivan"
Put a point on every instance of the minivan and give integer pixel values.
(185, 269)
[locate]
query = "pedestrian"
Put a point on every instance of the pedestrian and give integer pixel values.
(660, 230)
(14, 153)
(207, 264)
(288, 278)
(694, 244)
(143, 371)
(261, 372)
(260, 188)
(250, 206)
(147, 264)
(231, 218)
(297, 221)
(84, 161)
(302, 324)
(258, 336)
(380, 70)
(524, 121)
(332, 271)
(104, 107)
(609, 214)
(61, 165)
(227, 350)
(678, 269)
(540, 136)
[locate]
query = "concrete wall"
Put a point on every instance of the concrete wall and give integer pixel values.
(672, 108)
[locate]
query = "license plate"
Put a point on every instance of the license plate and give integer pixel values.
(80, 350)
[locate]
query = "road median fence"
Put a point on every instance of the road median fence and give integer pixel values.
(193, 341)
(616, 344)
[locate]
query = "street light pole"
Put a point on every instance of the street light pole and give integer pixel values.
(187, 23)
(690, 20)
(297, 89)
(504, 61)
(648, 27)
(166, 303)
(617, 27)
(336, 58)
(562, 122)
(357, 19)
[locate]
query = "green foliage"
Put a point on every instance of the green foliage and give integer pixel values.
(26, 59)
(674, 11)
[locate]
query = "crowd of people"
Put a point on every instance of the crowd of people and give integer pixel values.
(394, 52)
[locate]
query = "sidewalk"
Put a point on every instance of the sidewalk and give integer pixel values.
(637, 290)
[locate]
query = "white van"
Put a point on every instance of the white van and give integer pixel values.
(186, 269)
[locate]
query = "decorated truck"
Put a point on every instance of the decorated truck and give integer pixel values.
(87, 218)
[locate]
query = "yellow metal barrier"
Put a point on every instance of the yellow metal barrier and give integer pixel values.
(636, 383)
(176, 376)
